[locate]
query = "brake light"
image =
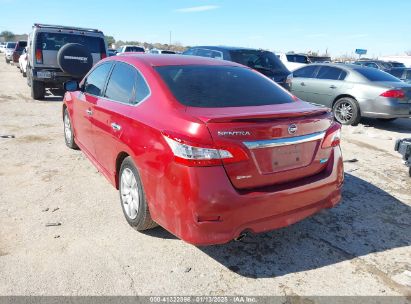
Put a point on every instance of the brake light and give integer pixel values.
(332, 137)
(393, 94)
(103, 55)
(195, 156)
(39, 56)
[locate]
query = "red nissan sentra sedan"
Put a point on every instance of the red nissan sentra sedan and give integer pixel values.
(208, 149)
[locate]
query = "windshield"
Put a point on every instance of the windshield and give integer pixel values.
(376, 75)
(297, 58)
(221, 86)
(11, 45)
(259, 60)
(54, 41)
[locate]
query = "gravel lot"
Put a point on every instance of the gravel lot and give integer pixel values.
(361, 247)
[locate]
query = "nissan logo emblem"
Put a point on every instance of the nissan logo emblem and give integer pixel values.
(292, 129)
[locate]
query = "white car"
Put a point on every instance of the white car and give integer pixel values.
(2, 47)
(157, 51)
(293, 61)
(8, 51)
(130, 48)
(23, 62)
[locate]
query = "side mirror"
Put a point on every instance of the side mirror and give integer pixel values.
(71, 86)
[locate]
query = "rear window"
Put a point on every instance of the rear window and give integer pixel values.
(221, 86)
(11, 45)
(297, 58)
(133, 49)
(168, 52)
(259, 60)
(21, 45)
(376, 75)
(54, 41)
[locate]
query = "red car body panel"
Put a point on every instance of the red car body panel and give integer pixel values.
(210, 205)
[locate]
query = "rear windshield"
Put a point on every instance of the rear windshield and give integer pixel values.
(221, 86)
(376, 75)
(297, 58)
(54, 41)
(259, 60)
(11, 45)
(133, 49)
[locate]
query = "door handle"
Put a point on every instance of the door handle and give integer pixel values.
(89, 112)
(115, 126)
(333, 87)
(303, 84)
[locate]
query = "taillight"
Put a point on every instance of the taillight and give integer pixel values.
(393, 94)
(103, 55)
(192, 156)
(332, 137)
(39, 56)
(289, 79)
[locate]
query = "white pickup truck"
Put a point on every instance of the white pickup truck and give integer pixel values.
(293, 61)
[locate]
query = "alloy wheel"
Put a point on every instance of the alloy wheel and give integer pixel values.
(130, 197)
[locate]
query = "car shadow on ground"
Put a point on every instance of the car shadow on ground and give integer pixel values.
(400, 125)
(368, 220)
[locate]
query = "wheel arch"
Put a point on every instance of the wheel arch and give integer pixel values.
(119, 160)
(342, 96)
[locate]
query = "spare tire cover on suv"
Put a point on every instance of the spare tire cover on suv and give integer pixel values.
(75, 59)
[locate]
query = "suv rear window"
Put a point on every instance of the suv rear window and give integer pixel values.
(259, 60)
(54, 41)
(221, 86)
(376, 75)
(11, 45)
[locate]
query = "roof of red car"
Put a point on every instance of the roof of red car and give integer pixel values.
(163, 60)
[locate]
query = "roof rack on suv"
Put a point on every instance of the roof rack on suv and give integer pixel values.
(66, 27)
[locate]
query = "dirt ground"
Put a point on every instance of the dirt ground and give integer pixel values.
(361, 247)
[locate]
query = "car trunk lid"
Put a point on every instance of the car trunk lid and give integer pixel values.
(282, 141)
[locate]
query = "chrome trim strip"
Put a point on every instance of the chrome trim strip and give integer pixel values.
(279, 142)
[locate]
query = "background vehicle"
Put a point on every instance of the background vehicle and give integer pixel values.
(18, 50)
(403, 146)
(60, 53)
(264, 62)
(404, 59)
(131, 48)
(402, 73)
(2, 47)
(112, 52)
(8, 51)
(353, 91)
(234, 151)
(157, 51)
(293, 61)
(23, 62)
(396, 64)
(376, 64)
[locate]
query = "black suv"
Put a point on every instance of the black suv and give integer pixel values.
(264, 62)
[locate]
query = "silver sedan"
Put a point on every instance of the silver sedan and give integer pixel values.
(352, 91)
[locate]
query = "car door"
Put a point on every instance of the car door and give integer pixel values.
(83, 106)
(302, 82)
(113, 116)
(328, 84)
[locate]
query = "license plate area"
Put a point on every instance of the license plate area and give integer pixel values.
(277, 159)
(43, 74)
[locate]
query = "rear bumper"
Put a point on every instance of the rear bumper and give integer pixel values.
(385, 108)
(56, 76)
(213, 212)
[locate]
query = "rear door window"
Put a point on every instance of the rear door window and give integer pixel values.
(408, 74)
(305, 72)
(258, 59)
(209, 53)
(331, 73)
(191, 51)
(221, 86)
(95, 81)
(54, 41)
(397, 72)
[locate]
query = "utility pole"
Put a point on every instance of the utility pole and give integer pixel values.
(170, 38)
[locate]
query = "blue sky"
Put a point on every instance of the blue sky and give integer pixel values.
(382, 27)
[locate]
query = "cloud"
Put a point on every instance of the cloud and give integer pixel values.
(196, 9)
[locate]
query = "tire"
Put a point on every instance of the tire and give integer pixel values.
(347, 111)
(386, 119)
(37, 90)
(68, 131)
(7, 61)
(24, 74)
(132, 197)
